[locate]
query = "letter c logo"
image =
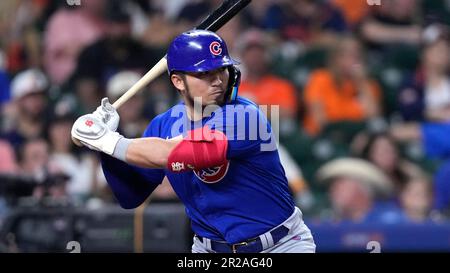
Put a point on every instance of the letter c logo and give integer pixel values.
(215, 48)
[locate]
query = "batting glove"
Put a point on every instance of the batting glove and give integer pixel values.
(92, 132)
(107, 114)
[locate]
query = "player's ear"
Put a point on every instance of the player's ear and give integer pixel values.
(178, 81)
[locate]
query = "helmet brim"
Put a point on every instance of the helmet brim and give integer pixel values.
(208, 65)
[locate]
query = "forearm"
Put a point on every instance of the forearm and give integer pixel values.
(378, 32)
(438, 114)
(318, 114)
(150, 152)
(406, 132)
(368, 100)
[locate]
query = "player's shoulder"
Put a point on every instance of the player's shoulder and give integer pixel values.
(241, 101)
(241, 109)
(244, 101)
(241, 106)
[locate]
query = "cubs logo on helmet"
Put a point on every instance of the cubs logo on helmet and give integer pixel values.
(213, 174)
(215, 48)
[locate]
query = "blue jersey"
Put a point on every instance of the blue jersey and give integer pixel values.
(435, 139)
(250, 193)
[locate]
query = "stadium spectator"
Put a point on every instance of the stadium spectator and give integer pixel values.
(101, 60)
(393, 23)
(416, 200)
(160, 29)
(433, 137)
(426, 94)
(27, 116)
(311, 22)
(350, 199)
(33, 159)
(80, 167)
(265, 14)
(194, 11)
(132, 122)
(354, 186)
(69, 31)
(343, 91)
(65, 58)
(8, 164)
(258, 84)
(353, 11)
(382, 150)
(20, 33)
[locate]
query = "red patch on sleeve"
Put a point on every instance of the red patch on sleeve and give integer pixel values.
(201, 148)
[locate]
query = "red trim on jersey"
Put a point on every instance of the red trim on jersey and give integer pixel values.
(201, 148)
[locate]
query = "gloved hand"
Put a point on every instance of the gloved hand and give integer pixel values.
(95, 134)
(107, 114)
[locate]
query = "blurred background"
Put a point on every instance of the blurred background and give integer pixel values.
(364, 96)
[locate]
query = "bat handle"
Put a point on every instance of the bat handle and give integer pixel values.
(77, 142)
(152, 74)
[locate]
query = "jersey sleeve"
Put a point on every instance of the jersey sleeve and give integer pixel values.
(435, 139)
(130, 184)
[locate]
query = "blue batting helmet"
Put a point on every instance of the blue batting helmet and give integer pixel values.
(198, 51)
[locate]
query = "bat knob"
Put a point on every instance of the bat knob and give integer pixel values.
(77, 142)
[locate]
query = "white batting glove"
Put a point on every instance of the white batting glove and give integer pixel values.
(108, 114)
(95, 134)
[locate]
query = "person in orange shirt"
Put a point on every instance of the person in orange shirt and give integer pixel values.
(353, 11)
(258, 84)
(342, 91)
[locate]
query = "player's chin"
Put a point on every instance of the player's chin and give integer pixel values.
(216, 100)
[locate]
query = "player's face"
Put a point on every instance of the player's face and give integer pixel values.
(210, 86)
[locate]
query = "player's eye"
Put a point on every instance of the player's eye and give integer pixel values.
(208, 73)
(200, 74)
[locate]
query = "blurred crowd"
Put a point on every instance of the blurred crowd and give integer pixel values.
(363, 90)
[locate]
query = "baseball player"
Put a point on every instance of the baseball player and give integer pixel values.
(233, 187)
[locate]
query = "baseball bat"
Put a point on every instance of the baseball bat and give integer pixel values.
(212, 22)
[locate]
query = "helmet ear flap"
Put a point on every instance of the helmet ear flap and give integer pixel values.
(233, 84)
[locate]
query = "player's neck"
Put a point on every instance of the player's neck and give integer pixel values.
(194, 113)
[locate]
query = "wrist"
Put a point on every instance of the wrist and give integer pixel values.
(121, 148)
(109, 142)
